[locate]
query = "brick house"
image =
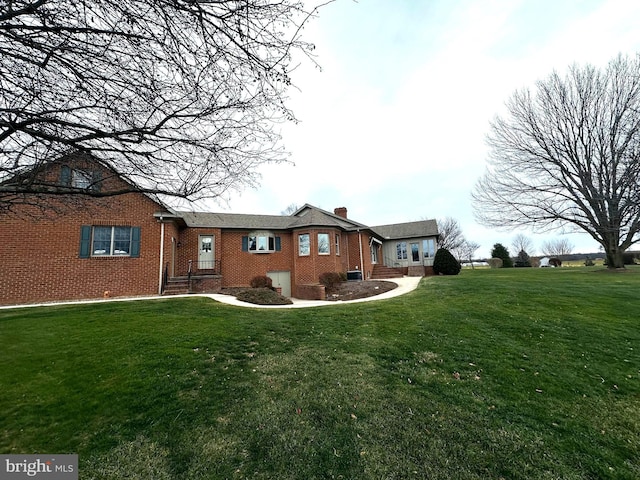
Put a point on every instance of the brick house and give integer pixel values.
(131, 244)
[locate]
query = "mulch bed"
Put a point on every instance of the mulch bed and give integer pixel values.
(349, 290)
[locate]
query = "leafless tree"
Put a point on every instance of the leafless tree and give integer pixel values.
(568, 155)
(178, 97)
(522, 243)
(291, 208)
(466, 251)
(557, 247)
(451, 236)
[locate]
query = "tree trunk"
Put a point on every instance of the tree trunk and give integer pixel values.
(614, 256)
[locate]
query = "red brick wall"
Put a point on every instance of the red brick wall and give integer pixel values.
(238, 267)
(39, 249)
(354, 253)
(189, 246)
(40, 257)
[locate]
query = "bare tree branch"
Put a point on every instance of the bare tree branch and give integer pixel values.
(180, 97)
(451, 236)
(569, 156)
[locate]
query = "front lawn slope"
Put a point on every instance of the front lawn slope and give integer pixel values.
(514, 374)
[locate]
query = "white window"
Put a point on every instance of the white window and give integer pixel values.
(304, 246)
(262, 243)
(323, 244)
(401, 250)
(81, 179)
(111, 241)
(337, 249)
(429, 248)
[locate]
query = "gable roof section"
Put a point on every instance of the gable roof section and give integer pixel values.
(310, 216)
(422, 228)
(306, 216)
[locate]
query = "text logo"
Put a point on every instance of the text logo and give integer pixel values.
(49, 467)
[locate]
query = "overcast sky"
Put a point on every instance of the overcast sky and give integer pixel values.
(393, 127)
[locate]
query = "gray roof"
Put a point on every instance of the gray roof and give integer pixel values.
(306, 216)
(422, 228)
(235, 220)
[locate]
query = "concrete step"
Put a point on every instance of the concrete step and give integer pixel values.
(381, 271)
(176, 286)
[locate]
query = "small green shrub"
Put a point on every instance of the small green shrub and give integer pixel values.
(628, 258)
(588, 262)
(262, 296)
(261, 281)
(445, 264)
(330, 279)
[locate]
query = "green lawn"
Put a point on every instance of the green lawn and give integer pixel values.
(514, 374)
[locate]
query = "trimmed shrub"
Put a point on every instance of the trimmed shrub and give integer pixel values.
(495, 262)
(262, 296)
(331, 279)
(628, 258)
(445, 264)
(261, 281)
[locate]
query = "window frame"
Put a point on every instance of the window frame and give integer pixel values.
(337, 244)
(307, 245)
(253, 242)
(401, 251)
(324, 243)
(88, 242)
(115, 238)
(80, 179)
(428, 248)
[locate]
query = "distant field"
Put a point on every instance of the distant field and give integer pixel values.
(507, 373)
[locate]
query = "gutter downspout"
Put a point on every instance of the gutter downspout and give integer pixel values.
(161, 256)
(361, 262)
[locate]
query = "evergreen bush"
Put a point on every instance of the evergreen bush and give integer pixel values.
(500, 251)
(522, 260)
(445, 264)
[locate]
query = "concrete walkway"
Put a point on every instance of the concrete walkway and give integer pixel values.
(405, 284)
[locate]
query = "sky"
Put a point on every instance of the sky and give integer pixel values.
(393, 124)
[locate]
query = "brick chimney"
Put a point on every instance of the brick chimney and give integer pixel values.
(340, 211)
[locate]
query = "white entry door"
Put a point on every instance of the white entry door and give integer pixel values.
(206, 253)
